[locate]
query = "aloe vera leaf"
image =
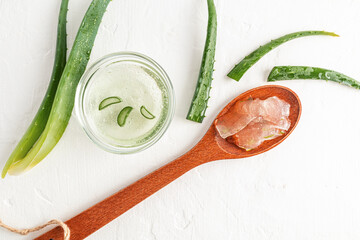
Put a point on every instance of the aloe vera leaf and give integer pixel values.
(64, 100)
(281, 73)
(240, 69)
(38, 124)
(201, 97)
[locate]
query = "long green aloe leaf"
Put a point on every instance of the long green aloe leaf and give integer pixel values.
(201, 97)
(240, 69)
(280, 73)
(38, 124)
(64, 100)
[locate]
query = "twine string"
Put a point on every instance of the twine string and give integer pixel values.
(38, 228)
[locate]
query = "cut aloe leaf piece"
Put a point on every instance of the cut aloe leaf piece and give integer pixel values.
(123, 115)
(280, 73)
(146, 113)
(109, 101)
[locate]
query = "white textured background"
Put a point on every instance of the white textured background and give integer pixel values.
(307, 188)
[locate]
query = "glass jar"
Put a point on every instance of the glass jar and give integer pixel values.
(128, 74)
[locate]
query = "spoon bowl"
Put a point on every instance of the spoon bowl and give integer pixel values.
(210, 148)
(262, 93)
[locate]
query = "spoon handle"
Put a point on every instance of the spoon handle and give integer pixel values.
(109, 209)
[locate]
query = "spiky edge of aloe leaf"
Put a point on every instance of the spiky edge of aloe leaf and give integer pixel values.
(201, 97)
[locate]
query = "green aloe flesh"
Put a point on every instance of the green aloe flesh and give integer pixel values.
(280, 73)
(123, 115)
(240, 69)
(270, 136)
(65, 94)
(108, 102)
(201, 97)
(38, 124)
(146, 113)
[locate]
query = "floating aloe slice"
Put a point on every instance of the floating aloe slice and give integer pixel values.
(123, 115)
(109, 101)
(146, 114)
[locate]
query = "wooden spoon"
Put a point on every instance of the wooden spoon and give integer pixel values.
(210, 148)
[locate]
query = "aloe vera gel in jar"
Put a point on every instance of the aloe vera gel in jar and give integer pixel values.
(125, 103)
